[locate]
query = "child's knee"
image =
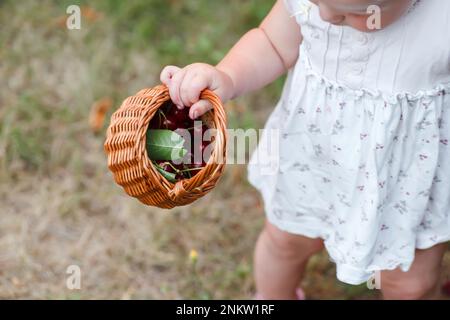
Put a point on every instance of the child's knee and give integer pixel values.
(288, 244)
(414, 288)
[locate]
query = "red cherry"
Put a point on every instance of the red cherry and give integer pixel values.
(188, 123)
(197, 166)
(197, 155)
(187, 160)
(197, 128)
(178, 115)
(180, 125)
(206, 155)
(155, 122)
(191, 166)
(169, 124)
(167, 106)
(200, 130)
(179, 166)
(153, 126)
(165, 166)
(193, 131)
(171, 117)
(202, 146)
(179, 176)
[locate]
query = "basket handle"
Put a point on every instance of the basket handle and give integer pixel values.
(183, 188)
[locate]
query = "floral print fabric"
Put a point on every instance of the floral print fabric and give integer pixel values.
(367, 172)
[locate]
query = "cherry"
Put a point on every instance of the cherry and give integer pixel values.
(197, 154)
(155, 123)
(197, 129)
(200, 130)
(179, 176)
(171, 118)
(203, 146)
(179, 116)
(198, 145)
(187, 160)
(167, 106)
(165, 166)
(179, 166)
(188, 123)
(169, 124)
(200, 149)
(197, 165)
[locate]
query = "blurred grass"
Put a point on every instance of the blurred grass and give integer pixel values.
(59, 203)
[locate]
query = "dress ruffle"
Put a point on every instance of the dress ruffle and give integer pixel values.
(361, 93)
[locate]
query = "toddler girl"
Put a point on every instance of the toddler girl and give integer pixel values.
(364, 153)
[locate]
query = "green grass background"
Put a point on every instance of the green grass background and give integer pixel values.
(59, 204)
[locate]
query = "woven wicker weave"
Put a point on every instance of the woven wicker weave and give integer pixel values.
(125, 146)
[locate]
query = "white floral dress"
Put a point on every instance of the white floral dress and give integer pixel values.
(363, 159)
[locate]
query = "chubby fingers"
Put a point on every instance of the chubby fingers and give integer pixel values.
(186, 85)
(167, 73)
(193, 85)
(175, 87)
(199, 108)
(172, 77)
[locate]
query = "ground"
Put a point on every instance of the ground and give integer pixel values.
(59, 204)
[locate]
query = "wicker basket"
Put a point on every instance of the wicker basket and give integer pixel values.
(125, 146)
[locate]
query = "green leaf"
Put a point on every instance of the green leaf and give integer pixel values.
(168, 175)
(165, 145)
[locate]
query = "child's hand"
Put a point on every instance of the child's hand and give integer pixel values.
(185, 86)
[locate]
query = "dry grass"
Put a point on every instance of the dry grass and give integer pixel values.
(59, 205)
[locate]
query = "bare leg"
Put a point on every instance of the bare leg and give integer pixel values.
(421, 281)
(279, 261)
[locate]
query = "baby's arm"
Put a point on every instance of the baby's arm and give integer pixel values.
(257, 59)
(264, 53)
